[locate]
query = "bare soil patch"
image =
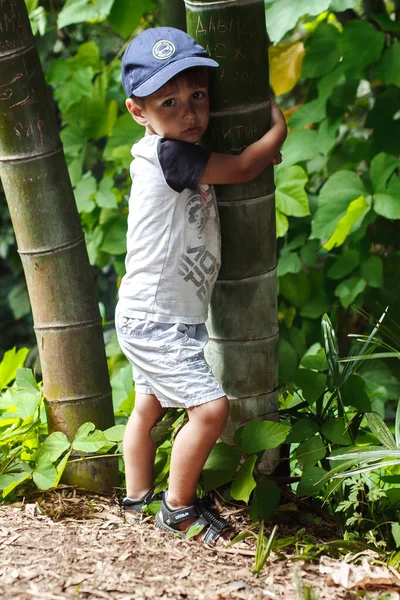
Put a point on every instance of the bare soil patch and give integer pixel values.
(69, 545)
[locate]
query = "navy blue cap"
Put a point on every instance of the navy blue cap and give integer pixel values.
(156, 55)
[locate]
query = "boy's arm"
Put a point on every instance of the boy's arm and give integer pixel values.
(230, 168)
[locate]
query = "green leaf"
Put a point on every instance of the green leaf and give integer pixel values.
(302, 430)
(349, 289)
(262, 435)
(323, 42)
(338, 192)
(291, 197)
(387, 206)
(327, 134)
(125, 15)
(244, 482)
(379, 428)
(123, 390)
(282, 224)
(382, 168)
(309, 253)
(296, 288)
(289, 263)
(316, 361)
(84, 193)
(114, 241)
(105, 196)
(288, 360)
(311, 383)
(265, 500)
(73, 89)
(220, 466)
(26, 381)
(353, 394)
(360, 34)
(388, 68)
(54, 446)
(282, 16)
(79, 11)
(44, 474)
(115, 433)
(396, 534)
(308, 484)
(9, 481)
(344, 265)
(89, 439)
(18, 299)
(73, 140)
(60, 468)
(355, 211)
(342, 5)
(335, 430)
(372, 271)
(310, 452)
(125, 132)
(12, 360)
(299, 146)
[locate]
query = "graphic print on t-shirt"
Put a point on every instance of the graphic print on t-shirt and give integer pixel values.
(197, 265)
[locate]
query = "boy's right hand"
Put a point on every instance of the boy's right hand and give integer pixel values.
(276, 114)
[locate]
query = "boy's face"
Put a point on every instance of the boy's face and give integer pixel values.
(177, 111)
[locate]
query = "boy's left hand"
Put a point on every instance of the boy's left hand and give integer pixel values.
(277, 159)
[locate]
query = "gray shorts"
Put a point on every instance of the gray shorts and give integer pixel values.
(168, 360)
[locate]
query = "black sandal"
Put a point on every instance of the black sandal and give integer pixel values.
(133, 509)
(205, 517)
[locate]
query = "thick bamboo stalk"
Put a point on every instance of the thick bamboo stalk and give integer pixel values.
(243, 348)
(172, 13)
(52, 248)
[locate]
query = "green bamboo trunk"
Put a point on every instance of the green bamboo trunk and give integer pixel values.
(52, 249)
(172, 13)
(243, 327)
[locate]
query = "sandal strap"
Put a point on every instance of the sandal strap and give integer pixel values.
(172, 518)
(212, 517)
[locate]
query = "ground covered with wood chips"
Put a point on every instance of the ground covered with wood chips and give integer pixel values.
(66, 544)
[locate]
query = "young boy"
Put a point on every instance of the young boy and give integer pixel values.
(173, 258)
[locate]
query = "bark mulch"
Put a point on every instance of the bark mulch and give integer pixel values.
(66, 544)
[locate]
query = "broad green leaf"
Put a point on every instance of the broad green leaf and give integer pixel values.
(9, 481)
(299, 146)
(396, 534)
(262, 435)
(289, 263)
(79, 11)
(382, 168)
(221, 466)
(265, 500)
(315, 361)
(323, 42)
(353, 394)
(12, 360)
(44, 474)
(342, 5)
(73, 140)
(388, 68)
(360, 34)
(288, 360)
(84, 193)
(60, 468)
(244, 483)
(311, 383)
(296, 288)
(125, 15)
(309, 253)
(114, 241)
(355, 211)
(115, 433)
(105, 196)
(74, 88)
(327, 134)
(344, 265)
(372, 271)
(26, 381)
(286, 63)
(335, 430)
(318, 302)
(18, 300)
(349, 289)
(125, 132)
(54, 446)
(122, 387)
(338, 192)
(310, 452)
(302, 430)
(282, 224)
(291, 197)
(282, 16)
(297, 339)
(310, 482)
(388, 204)
(89, 439)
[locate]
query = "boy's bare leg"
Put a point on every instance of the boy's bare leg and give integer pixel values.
(191, 448)
(139, 448)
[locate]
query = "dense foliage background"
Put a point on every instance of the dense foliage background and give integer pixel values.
(335, 68)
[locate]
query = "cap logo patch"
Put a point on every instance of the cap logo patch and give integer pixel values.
(163, 49)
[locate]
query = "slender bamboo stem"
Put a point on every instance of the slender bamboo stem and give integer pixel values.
(52, 248)
(172, 13)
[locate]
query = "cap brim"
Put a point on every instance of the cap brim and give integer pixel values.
(165, 74)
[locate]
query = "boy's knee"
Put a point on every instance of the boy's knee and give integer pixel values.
(213, 413)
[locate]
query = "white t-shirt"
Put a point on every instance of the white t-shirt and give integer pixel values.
(173, 239)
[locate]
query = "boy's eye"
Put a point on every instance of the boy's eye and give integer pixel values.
(198, 95)
(169, 102)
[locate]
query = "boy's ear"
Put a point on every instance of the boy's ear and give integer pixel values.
(136, 112)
